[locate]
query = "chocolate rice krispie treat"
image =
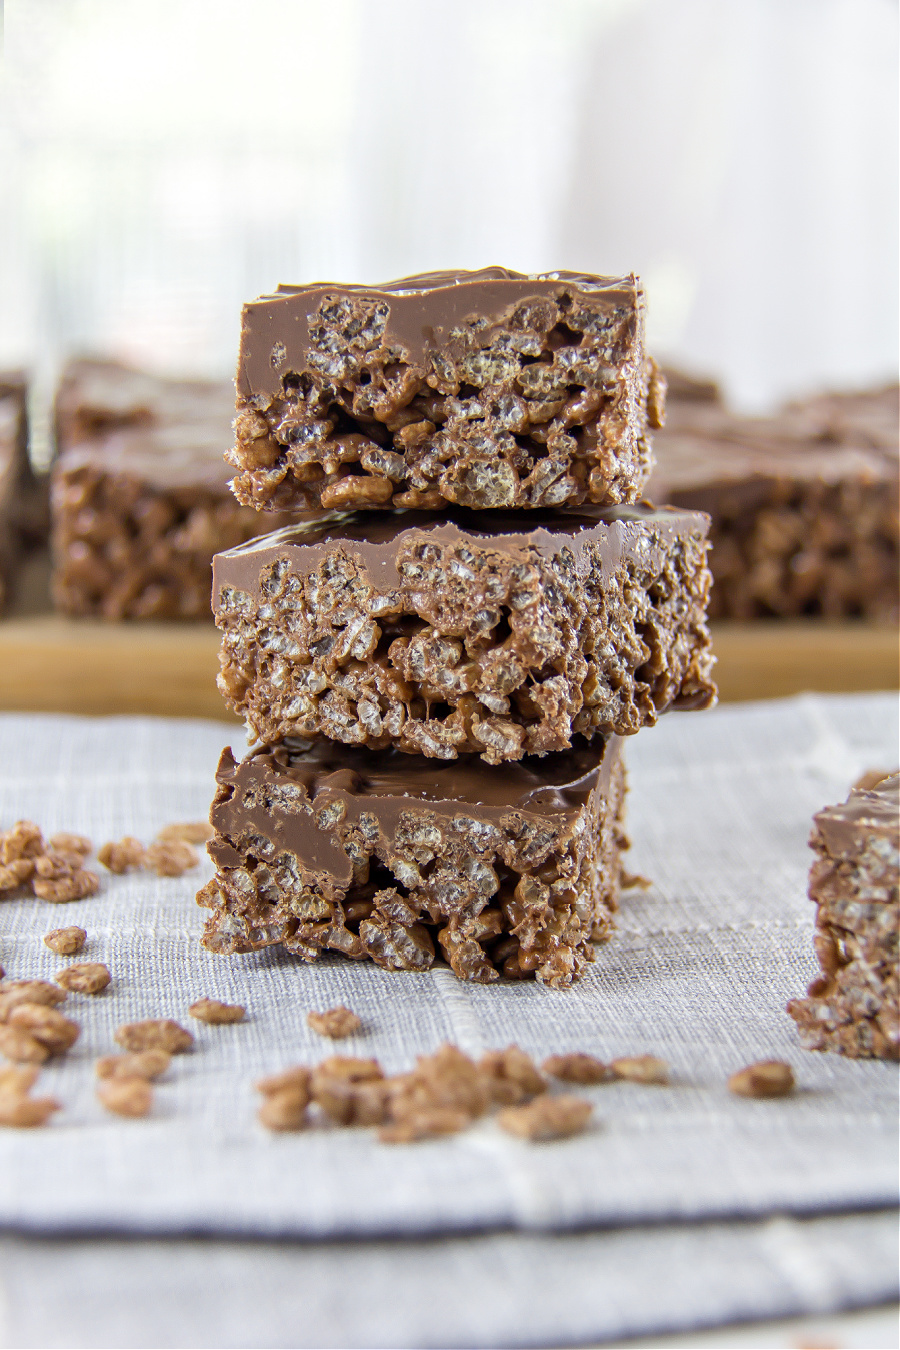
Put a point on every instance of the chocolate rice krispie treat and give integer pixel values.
(854, 1005)
(803, 504)
(23, 496)
(504, 870)
(485, 389)
(501, 634)
(140, 496)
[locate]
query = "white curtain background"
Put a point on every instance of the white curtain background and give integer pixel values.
(163, 163)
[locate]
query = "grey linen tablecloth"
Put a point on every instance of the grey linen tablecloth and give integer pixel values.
(699, 972)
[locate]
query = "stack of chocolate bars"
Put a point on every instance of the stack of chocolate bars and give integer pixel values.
(441, 661)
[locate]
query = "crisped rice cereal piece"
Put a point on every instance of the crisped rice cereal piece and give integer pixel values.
(641, 1069)
(296, 1078)
(18, 1078)
(170, 857)
(14, 875)
(189, 832)
(283, 1110)
(355, 1103)
(123, 855)
(86, 977)
(350, 1068)
(28, 991)
(126, 1096)
(59, 879)
(23, 840)
(449, 1080)
(427, 1123)
(20, 1046)
(336, 1022)
(66, 941)
(46, 1025)
(546, 1118)
(768, 1078)
(577, 1068)
(19, 1111)
(511, 1075)
(159, 1033)
(70, 843)
(212, 1011)
(142, 1064)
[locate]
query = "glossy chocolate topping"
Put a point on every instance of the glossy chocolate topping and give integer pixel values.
(389, 783)
(876, 811)
(377, 538)
(420, 313)
(560, 782)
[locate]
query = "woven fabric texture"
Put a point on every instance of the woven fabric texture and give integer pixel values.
(699, 972)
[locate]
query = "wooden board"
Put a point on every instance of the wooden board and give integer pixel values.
(50, 664)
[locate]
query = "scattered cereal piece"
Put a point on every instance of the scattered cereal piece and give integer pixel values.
(578, 1068)
(189, 832)
(142, 1064)
(158, 1033)
(634, 881)
(447, 1079)
(428, 1123)
(87, 977)
(15, 874)
(126, 1096)
(24, 840)
(46, 1025)
(546, 1118)
(28, 991)
(641, 1069)
(347, 1068)
(335, 1022)
(169, 858)
(211, 1010)
(284, 1110)
(66, 941)
(359, 1103)
(19, 1045)
(18, 1078)
(19, 1111)
(70, 843)
(59, 879)
(297, 1077)
(125, 855)
(769, 1078)
(511, 1076)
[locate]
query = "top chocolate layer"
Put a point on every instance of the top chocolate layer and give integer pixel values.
(537, 785)
(614, 533)
(416, 315)
(846, 828)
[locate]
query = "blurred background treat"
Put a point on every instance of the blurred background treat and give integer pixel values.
(804, 503)
(23, 495)
(742, 159)
(140, 498)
